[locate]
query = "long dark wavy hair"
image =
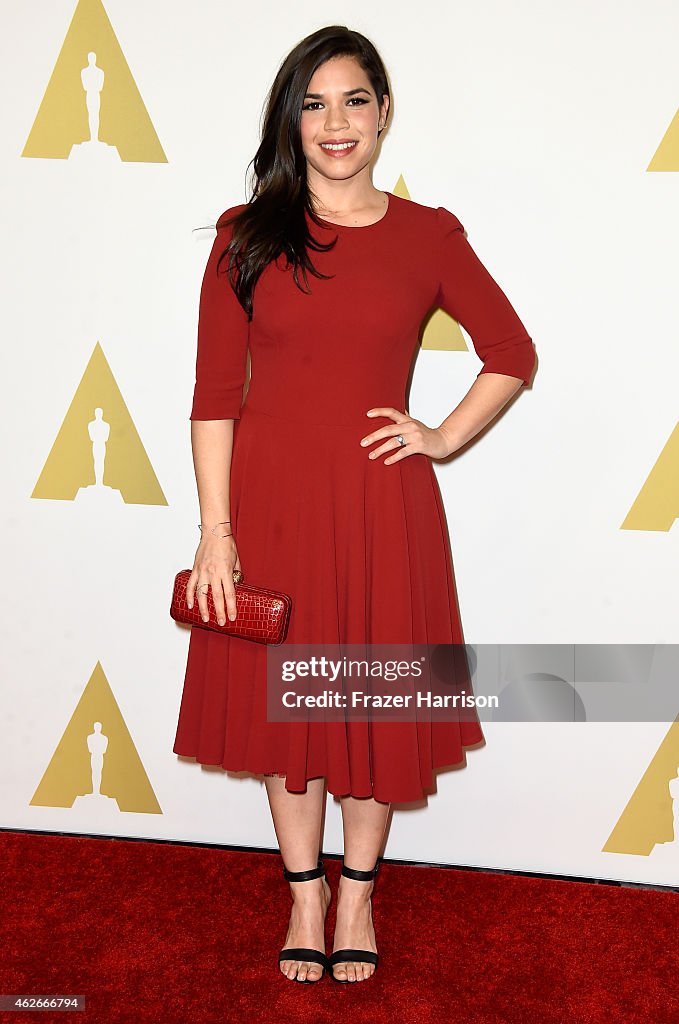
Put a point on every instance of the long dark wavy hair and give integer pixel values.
(273, 221)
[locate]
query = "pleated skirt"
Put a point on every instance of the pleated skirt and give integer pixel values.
(363, 549)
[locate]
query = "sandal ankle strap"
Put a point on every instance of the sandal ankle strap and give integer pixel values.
(360, 876)
(305, 876)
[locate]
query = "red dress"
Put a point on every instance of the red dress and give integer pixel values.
(362, 548)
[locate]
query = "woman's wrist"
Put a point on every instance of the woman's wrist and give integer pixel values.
(219, 530)
(451, 441)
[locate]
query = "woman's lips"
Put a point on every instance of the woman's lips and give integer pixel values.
(337, 153)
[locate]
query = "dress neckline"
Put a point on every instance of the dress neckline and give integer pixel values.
(360, 227)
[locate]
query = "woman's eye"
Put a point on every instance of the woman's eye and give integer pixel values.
(354, 99)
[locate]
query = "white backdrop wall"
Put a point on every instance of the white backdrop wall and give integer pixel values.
(545, 129)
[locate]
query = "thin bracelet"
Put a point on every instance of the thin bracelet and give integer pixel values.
(223, 523)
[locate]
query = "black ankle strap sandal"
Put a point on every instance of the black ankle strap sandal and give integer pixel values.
(305, 876)
(360, 876)
(315, 956)
(359, 956)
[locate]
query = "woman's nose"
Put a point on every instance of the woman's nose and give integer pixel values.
(336, 119)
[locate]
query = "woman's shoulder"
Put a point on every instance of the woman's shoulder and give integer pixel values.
(224, 219)
(430, 220)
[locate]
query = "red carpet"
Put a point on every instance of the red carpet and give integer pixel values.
(164, 933)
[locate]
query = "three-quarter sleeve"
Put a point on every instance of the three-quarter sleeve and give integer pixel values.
(223, 333)
(473, 298)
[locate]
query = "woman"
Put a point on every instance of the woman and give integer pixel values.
(320, 484)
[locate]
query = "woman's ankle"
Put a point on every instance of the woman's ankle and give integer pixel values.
(349, 889)
(308, 892)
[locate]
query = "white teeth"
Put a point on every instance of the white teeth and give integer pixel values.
(340, 145)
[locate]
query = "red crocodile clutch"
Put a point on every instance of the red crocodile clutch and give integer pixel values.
(261, 615)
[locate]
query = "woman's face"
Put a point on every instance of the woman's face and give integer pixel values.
(340, 107)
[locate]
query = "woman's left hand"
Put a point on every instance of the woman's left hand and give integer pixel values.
(418, 436)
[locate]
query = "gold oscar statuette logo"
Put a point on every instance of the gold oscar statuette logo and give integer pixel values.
(92, 110)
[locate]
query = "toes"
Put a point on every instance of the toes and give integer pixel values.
(310, 971)
(361, 971)
(291, 970)
(301, 970)
(353, 971)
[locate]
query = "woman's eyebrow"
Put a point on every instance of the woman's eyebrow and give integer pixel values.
(347, 92)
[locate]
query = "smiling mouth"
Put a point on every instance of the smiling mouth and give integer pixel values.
(338, 147)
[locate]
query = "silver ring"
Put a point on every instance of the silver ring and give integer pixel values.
(400, 438)
(204, 592)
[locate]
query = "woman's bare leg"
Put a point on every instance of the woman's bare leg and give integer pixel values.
(364, 821)
(297, 820)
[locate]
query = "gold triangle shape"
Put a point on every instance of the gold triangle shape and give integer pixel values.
(648, 817)
(62, 124)
(656, 506)
(666, 156)
(98, 455)
(443, 333)
(96, 764)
